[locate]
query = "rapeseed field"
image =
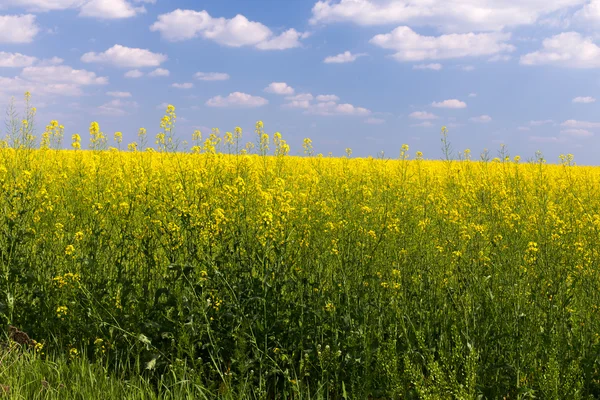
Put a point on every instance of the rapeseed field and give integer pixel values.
(258, 274)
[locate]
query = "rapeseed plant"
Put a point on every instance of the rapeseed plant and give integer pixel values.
(272, 276)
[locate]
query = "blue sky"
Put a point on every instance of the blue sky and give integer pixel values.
(365, 74)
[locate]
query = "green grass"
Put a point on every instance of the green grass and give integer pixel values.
(25, 375)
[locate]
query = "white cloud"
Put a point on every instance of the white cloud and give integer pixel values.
(433, 67)
(524, 128)
(577, 132)
(15, 60)
(18, 28)
(589, 13)
(235, 32)
(109, 9)
(127, 57)
(332, 108)
(345, 57)
(62, 74)
(50, 80)
(159, 72)
(211, 76)
(18, 85)
(186, 85)
(482, 119)
(410, 46)
(287, 40)
(279, 88)
(422, 115)
(102, 9)
(569, 49)
(300, 97)
(118, 94)
(455, 15)
(575, 124)
(472, 94)
(327, 105)
(305, 104)
(43, 5)
(585, 100)
(237, 99)
(467, 68)
(134, 73)
(424, 124)
(327, 97)
(451, 103)
(117, 107)
(375, 121)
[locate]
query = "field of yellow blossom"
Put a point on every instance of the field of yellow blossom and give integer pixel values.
(265, 275)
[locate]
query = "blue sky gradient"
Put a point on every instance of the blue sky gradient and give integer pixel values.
(523, 73)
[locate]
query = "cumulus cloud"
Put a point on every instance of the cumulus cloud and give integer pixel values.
(287, 40)
(575, 124)
(327, 97)
(410, 46)
(577, 132)
(585, 100)
(301, 97)
(422, 115)
(451, 103)
(304, 104)
(433, 67)
(345, 57)
(159, 72)
(279, 88)
(186, 85)
(333, 108)
(449, 16)
(109, 9)
(211, 76)
(53, 80)
(62, 74)
(237, 99)
(235, 32)
(101, 9)
(125, 57)
(18, 28)
(326, 105)
(424, 124)
(134, 73)
(590, 13)
(18, 85)
(15, 60)
(568, 49)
